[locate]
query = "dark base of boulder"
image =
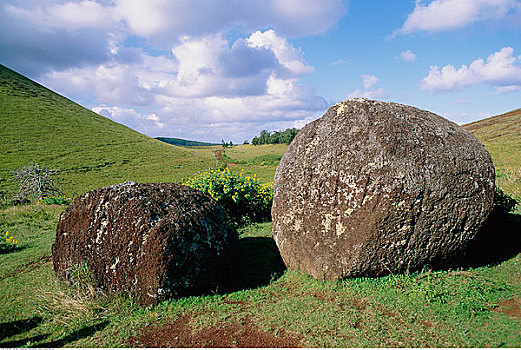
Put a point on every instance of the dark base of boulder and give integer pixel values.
(152, 242)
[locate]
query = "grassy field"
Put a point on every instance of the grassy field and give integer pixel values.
(264, 304)
(261, 160)
(474, 303)
(501, 136)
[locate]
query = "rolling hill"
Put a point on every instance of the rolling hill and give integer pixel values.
(501, 136)
(91, 151)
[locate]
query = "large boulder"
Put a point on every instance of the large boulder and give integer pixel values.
(149, 241)
(373, 187)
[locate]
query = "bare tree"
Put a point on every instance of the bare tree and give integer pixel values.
(35, 181)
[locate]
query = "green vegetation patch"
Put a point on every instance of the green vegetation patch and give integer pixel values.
(464, 307)
(244, 199)
(501, 136)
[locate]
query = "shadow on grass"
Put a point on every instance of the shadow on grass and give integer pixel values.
(23, 342)
(7, 250)
(8, 329)
(257, 263)
(498, 240)
(80, 334)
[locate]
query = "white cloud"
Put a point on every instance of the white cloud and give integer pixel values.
(210, 67)
(43, 35)
(288, 56)
(500, 90)
(509, 88)
(206, 85)
(461, 101)
(338, 62)
(445, 15)
(201, 67)
(35, 41)
(408, 56)
(131, 118)
(166, 67)
(157, 121)
(83, 14)
(369, 81)
(374, 94)
(502, 68)
(299, 124)
(68, 15)
(303, 17)
(165, 20)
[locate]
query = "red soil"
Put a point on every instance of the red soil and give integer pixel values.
(179, 334)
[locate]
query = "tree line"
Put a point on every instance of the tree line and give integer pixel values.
(274, 137)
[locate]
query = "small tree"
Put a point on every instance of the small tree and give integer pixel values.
(35, 181)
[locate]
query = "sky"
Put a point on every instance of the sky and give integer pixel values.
(212, 70)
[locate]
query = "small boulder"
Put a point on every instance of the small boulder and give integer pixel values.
(373, 187)
(150, 241)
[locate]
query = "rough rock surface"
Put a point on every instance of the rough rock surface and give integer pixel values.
(150, 241)
(373, 187)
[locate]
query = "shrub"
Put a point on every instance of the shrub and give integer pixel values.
(8, 243)
(35, 181)
(244, 199)
(60, 200)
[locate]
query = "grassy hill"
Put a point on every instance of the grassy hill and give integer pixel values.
(91, 151)
(501, 136)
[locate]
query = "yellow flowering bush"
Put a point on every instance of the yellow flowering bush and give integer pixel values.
(243, 198)
(8, 243)
(60, 200)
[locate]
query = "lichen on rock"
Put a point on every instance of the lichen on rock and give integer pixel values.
(149, 241)
(373, 186)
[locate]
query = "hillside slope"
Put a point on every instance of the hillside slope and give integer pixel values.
(501, 136)
(43, 127)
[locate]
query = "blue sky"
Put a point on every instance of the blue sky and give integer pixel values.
(213, 69)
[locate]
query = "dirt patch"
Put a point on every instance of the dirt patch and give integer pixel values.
(427, 324)
(326, 298)
(220, 156)
(180, 334)
(240, 303)
(510, 307)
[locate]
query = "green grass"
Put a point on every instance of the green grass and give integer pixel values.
(501, 136)
(261, 160)
(449, 308)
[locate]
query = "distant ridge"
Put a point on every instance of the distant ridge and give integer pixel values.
(40, 126)
(501, 136)
(184, 143)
